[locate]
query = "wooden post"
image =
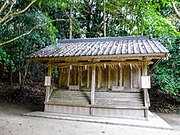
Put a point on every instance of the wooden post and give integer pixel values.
(59, 78)
(75, 75)
(99, 77)
(120, 76)
(116, 73)
(50, 71)
(139, 75)
(93, 84)
(87, 77)
(131, 78)
(68, 78)
(79, 77)
(144, 68)
(109, 77)
(48, 88)
(144, 73)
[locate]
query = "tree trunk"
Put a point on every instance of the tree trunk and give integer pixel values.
(1, 71)
(70, 21)
(24, 77)
(88, 18)
(19, 77)
(10, 76)
(104, 19)
(175, 9)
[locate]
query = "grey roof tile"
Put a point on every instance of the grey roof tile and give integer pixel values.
(101, 46)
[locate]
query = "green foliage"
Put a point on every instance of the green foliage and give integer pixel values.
(14, 53)
(167, 73)
(123, 18)
(157, 25)
(4, 57)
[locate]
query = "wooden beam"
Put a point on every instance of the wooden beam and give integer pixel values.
(109, 77)
(93, 84)
(99, 77)
(99, 63)
(107, 57)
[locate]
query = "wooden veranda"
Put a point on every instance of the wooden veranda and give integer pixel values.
(100, 76)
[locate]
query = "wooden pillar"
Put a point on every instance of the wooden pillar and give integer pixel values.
(68, 77)
(106, 76)
(131, 77)
(49, 70)
(120, 76)
(109, 77)
(48, 88)
(81, 84)
(87, 77)
(75, 75)
(144, 73)
(60, 78)
(144, 69)
(93, 84)
(99, 77)
(79, 77)
(139, 75)
(116, 73)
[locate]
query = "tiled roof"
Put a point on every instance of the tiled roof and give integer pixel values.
(101, 46)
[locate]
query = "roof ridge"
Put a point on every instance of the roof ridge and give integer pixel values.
(103, 39)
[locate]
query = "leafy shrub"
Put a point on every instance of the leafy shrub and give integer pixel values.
(167, 73)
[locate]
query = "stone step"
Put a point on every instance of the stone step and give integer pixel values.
(97, 94)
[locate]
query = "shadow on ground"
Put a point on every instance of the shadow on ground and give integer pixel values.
(17, 109)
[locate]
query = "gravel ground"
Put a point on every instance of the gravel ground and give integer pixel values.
(12, 123)
(20, 125)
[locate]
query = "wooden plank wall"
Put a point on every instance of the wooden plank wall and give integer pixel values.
(104, 76)
(126, 76)
(116, 75)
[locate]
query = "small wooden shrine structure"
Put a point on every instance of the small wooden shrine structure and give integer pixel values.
(100, 76)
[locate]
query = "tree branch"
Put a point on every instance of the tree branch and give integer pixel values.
(7, 15)
(27, 33)
(24, 34)
(175, 9)
(4, 6)
(22, 11)
(16, 13)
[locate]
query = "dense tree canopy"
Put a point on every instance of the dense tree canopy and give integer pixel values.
(43, 21)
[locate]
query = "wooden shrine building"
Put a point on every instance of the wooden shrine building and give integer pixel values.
(100, 76)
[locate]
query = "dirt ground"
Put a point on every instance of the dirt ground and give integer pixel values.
(171, 119)
(12, 123)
